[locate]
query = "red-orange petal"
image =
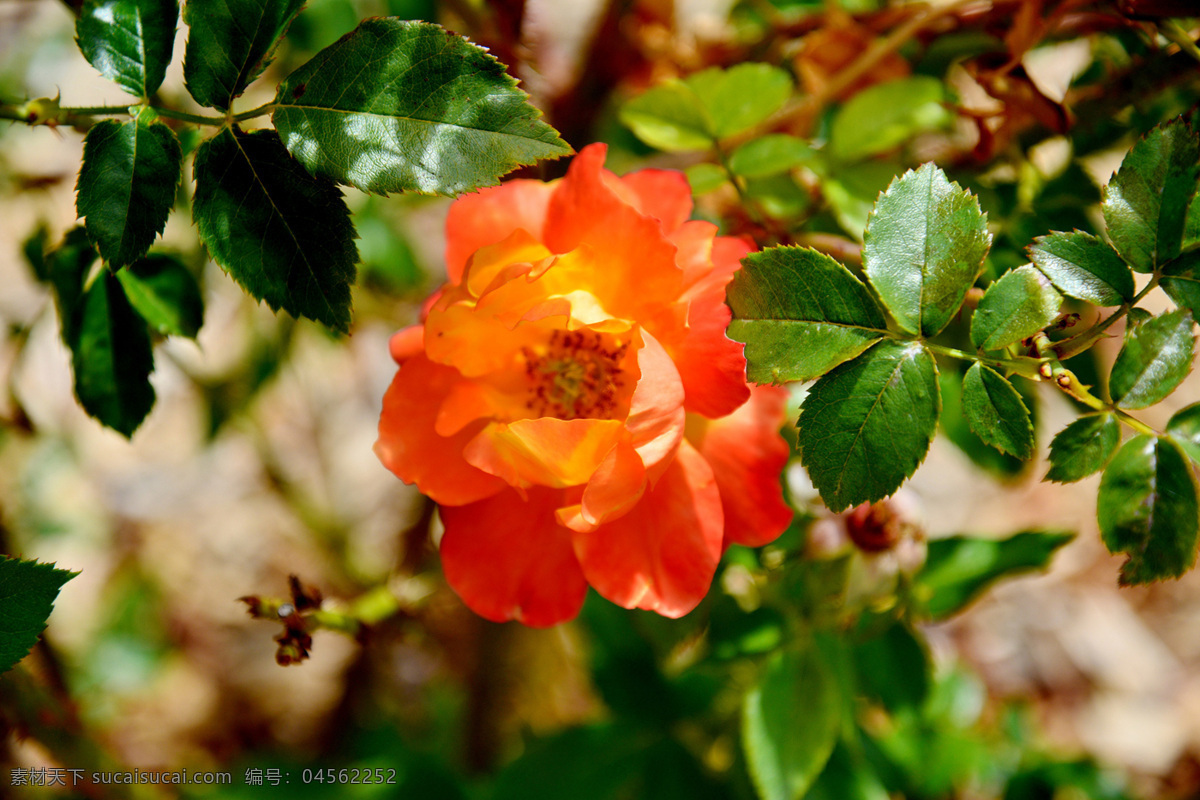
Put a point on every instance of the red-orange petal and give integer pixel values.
(711, 365)
(656, 410)
(662, 554)
(544, 451)
(489, 215)
(406, 343)
(409, 446)
(663, 194)
(747, 455)
(508, 559)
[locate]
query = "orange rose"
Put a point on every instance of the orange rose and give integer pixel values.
(573, 404)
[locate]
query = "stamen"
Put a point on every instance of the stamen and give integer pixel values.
(577, 377)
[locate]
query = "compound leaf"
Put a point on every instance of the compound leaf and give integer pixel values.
(229, 44)
(867, 425)
(996, 412)
(800, 314)
(129, 41)
(1017, 305)
(1083, 447)
(885, 115)
(924, 247)
(406, 106)
(283, 234)
(1156, 357)
(1084, 267)
(27, 593)
(165, 294)
(769, 155)
(1147, 509)
(127, 185)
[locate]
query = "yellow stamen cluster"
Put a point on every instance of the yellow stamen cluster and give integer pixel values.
(577, 377)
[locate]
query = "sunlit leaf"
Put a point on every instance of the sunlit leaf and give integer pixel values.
(284, 235)
(1156, 357)
(705, 177)
(129, 41)
(886, 115)
(996, 412)
(800, 314)
(1148, 510)
(772, 154)
(406, 106)
(1084, 267)
(27, 593)
(867, 425)
(127, 185)
(1146, 202)
(1083, 447)
(924, 247)
(1018, 305)
(229, 44)
(165, 294)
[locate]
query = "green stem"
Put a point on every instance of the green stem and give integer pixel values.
(183, 116)
(265, 108)
(1175, 32)
(1025, 367)
(1066, 380)
(1082, 341)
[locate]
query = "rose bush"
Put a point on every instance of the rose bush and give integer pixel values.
(573, 405)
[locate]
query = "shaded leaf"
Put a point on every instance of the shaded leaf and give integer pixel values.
(1181, 280)
(1018, 305)
(866, 426)
(1083, 447)
(229, 44)
(769, 155)
(954, 425)
(1146, 202)
(284, 235)
(1147, 509)
(894, 667)
(1156, 357)
(886, 115)
(67, 268)
(165, 294)
(27, 593)
(958, 568)
(924, 247)
(852, 190)
(996, 412)
(127, 185)
(790, 721)
(1084, 267)
(399, 106)
(1184, 428)
(800, 313)
(129, 41)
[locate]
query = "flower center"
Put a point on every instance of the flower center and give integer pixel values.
(577, 377)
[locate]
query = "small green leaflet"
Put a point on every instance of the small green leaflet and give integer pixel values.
(772, 154)
(129, 41)
(398, 106)
(708, 106)
(127, 185)
(165, 294)
(867, 425)
(283, 234)
(27, 593)
(1018, 305)
(1181, 280)
(1146, 203)
(893, 666)
(1156, 357)
(1083, 447)
(924, 248)
(886, 115)
(800, 314)
(229, 44)
(1147, 508)
(953, 424)
(1084, 267)
(790, 722)
(1184, 428)
(996, 412)
(958, 568)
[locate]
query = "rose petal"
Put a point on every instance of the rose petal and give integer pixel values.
(545, 451)
(406, 343)
(489, 216)
(711, 366)
(663, 553)
(410, 447)
(663, 194)
(656, 412)
(747, 455)
(508, 559)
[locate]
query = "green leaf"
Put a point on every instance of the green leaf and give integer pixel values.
(953, 423)
(924, 247)
(127, 185)
(996, 412)
(1156, 357)
(886, 115)
(693, 113)
(704, 177)
(1018, 305)
(1084, 267)
(129, 41)
(1181, 280)
(800, 314)
(67, 267)
(769, 155)
(1184, 428)
(1147, 509)
(27, 593)
(229, 44)
(284, 235)
(165, 294)
(1083, 447)
(894, 666)
(958, 568)
(852, 190)
(1146, 202)
(398, 106)
(866, 426)
(112, 357)
(790, 722)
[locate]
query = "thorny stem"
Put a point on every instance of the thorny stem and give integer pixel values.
(1071, 385)
(1082, 341)
(47, 112)
(1175, 32)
